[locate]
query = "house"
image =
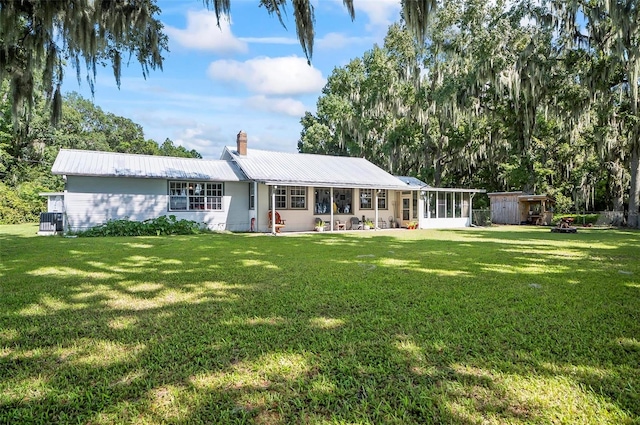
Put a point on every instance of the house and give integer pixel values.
(238, 191)
(520, 208)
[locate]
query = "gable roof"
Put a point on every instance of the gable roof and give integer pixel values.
(113, 164)
(300, 169)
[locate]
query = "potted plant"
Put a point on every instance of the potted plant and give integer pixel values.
(412, 225)
(319, 225)
(368, 224)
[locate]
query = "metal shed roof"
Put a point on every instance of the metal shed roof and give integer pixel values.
(112, 164)
(416, 183)
(314, 170)
(412, 181)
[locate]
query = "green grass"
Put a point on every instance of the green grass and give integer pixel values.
(500, 325)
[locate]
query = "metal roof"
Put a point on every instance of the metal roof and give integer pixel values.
(301, 169)
(419, 184)
(412, 181)
(112, 164)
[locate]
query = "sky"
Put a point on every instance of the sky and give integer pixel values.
(250, 74)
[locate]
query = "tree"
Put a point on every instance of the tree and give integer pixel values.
(40, 36)
(167, 148)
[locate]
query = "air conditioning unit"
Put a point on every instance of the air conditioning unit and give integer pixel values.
(50, 223)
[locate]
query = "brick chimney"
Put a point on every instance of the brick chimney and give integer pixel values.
(242, 143)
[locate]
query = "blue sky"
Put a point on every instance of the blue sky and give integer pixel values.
(251, 74)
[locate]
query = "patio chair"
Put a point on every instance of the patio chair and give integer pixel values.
(355, 223)
(279, 222)
(340, 225)
(381, 223)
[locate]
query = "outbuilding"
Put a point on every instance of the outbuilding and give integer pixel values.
(521, 208)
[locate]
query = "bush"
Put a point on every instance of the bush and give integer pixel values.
(162, 225)
(14, 209)
(578, 219)
(563, 203)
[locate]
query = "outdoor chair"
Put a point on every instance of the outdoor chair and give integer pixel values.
(381, 223)
(340, 225)
(355, 223)
(279, 222)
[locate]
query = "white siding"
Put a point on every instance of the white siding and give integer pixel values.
(91, 201)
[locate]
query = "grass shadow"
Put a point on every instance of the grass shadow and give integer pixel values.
(414, 327)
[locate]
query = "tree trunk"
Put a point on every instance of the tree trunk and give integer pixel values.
(616, 185)
(634, 190)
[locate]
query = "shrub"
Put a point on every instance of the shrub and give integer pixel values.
(162, 225)
(578, 219)
(13, 208)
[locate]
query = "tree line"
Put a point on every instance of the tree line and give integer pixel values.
(29, 146)
(540, 97)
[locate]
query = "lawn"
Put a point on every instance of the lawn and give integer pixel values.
(500, 325)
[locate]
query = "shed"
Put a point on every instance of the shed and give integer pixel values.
(521, 208)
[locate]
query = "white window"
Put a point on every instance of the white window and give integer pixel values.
(298, 197)
(195, 196)
(366, 199)
(342, 201)
(382, 199)
(252, 196)
(281, 197)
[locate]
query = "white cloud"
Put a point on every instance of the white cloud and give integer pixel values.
(334, 40)
(203, 33)
(381, 13)
(207, 140)
(270, 76)
(287, 106)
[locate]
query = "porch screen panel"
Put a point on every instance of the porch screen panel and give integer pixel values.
(465, 205)
(431, 199)
(442, 202)
(458, 204)
(449, 204)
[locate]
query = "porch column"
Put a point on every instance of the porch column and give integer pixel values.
(331, 208)
(273, 209)
(422, 205)
(375, 200)
(471, 195)
(256, 211)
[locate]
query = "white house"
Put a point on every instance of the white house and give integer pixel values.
(238, 191)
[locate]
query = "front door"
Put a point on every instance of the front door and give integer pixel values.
(406, 209)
